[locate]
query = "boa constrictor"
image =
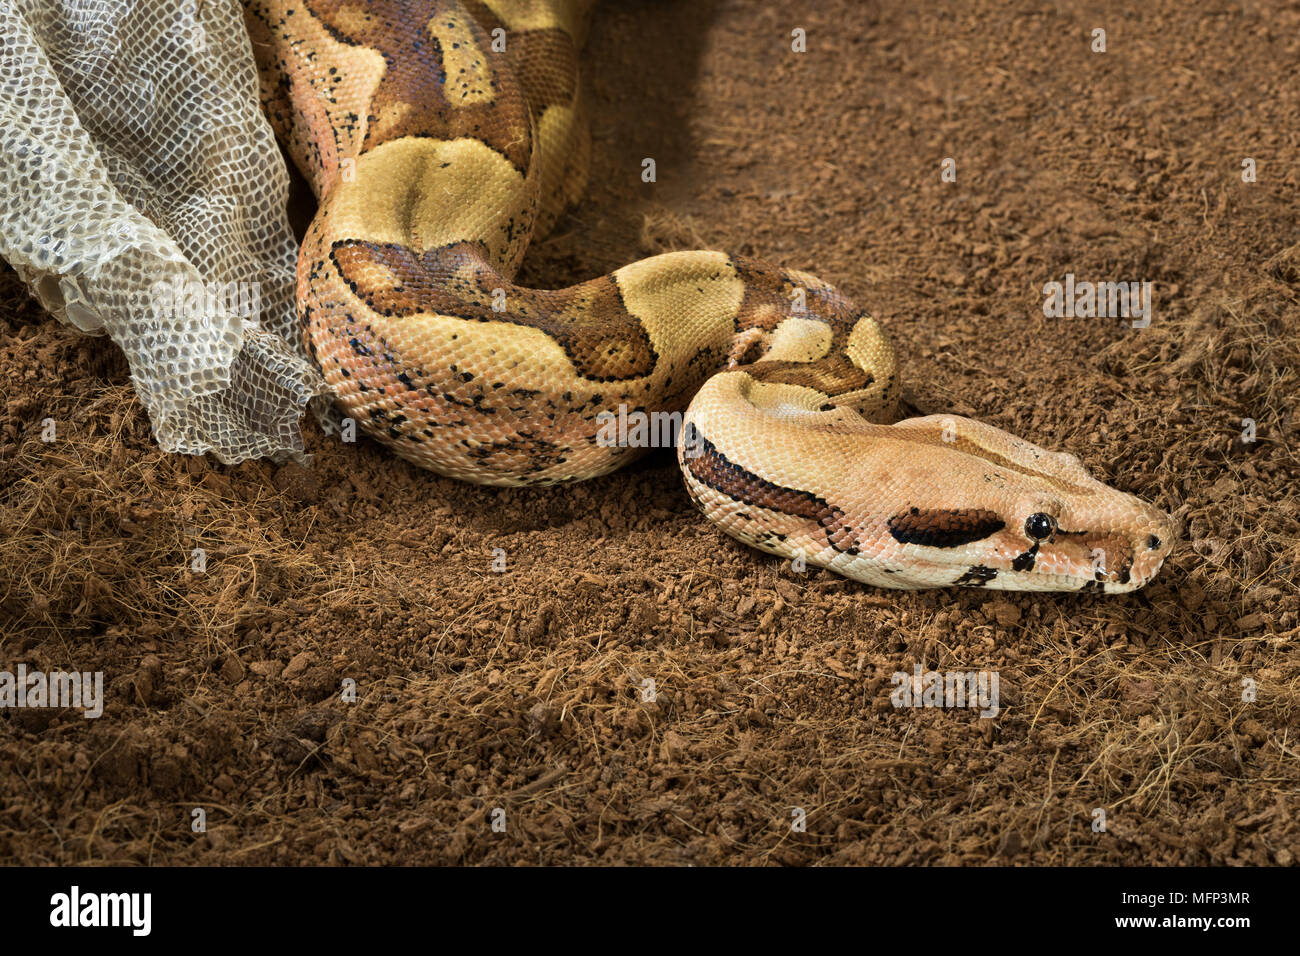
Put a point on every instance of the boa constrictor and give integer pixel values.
(440, 136)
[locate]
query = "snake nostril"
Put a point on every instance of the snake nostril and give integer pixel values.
(1153, 542)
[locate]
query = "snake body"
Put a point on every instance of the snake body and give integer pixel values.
(440, 136)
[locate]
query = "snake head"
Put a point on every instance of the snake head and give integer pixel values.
(1007, 514)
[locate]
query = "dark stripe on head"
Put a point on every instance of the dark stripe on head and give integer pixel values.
(710, 467)
(935, 528)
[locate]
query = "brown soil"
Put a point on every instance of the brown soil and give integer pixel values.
(524, 690)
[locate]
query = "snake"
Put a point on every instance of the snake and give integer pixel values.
(440, 137)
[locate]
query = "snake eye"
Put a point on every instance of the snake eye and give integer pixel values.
(1039, 526)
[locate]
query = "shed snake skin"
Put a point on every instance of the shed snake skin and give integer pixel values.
(440, 136)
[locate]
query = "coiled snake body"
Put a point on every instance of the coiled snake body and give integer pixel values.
(440, 136)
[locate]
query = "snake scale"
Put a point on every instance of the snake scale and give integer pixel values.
(440, 136)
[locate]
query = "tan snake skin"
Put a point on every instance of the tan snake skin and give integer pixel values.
(440, 136)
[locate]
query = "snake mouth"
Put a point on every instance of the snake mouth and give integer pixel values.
(1108, 562)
